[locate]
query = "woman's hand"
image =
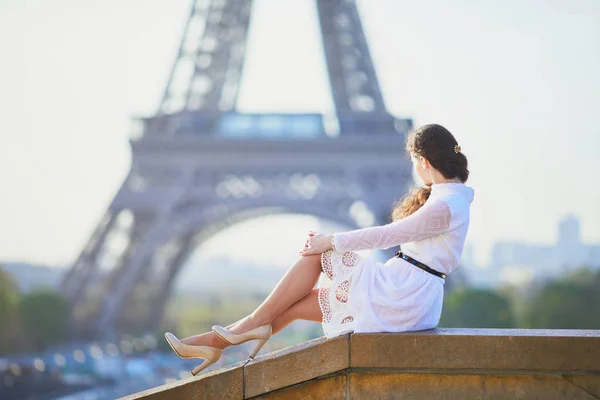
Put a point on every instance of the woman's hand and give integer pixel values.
(316, 243)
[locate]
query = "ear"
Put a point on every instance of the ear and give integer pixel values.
(424, 162)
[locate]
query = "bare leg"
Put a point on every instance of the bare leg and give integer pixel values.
(297, 283)
(306, 308)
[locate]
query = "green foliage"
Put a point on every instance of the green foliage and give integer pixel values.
(9, 305)
(476, 308)
(571, 303)
(45, 316)
(9, 296)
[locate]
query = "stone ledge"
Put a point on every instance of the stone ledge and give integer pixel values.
(460, 363)
(223, 383)
(479, 349)
(292, 365)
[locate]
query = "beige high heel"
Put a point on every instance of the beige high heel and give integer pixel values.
(262, 334)
(210, 354)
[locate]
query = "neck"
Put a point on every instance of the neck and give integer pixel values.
(437, 178)
(455, 180)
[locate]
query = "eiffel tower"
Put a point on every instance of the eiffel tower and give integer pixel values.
(199, 166)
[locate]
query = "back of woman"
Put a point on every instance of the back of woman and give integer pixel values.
(430, 224)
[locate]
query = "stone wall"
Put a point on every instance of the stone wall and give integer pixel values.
(440, 363)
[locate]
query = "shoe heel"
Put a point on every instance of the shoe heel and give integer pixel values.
(199, 368)
(259, 346)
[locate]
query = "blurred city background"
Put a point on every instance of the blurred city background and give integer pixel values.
(162, 161)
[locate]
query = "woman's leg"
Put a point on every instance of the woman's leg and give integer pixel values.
(295, 285)
(298, 281)
(307, 308)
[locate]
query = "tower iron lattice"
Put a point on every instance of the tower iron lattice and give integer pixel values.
(199, 166)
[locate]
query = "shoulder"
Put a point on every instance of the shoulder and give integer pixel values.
(458, 206)
(454, 200)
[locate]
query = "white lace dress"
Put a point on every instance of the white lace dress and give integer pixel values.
(360, 295)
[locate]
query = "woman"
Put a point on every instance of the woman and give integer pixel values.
(356, 294)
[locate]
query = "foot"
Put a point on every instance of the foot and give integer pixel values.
(206, 339)
(245, 324)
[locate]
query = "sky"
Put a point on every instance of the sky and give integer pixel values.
(515, 81)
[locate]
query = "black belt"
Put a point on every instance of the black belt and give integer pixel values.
(419, 264)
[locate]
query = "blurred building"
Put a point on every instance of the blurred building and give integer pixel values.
(569, 253)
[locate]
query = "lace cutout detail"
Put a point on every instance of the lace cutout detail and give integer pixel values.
(432, 219)
(326, 267)
(341, 292)
(323, 297)
(349, 259)
(334, 291)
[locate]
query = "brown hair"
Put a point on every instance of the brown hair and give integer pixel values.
(436, 144)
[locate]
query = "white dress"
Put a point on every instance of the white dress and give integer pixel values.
(360, 295)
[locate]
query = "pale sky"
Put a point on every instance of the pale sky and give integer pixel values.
(517, 83)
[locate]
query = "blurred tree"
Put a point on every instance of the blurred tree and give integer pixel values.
(456, 281)
(519, 297)
(476, 308)
(569, 303)
(45, 316)
(9, 307)
(584, 275)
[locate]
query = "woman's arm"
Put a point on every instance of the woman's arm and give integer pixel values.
(432, 219)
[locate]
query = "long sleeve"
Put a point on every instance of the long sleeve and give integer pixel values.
(432, 219)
